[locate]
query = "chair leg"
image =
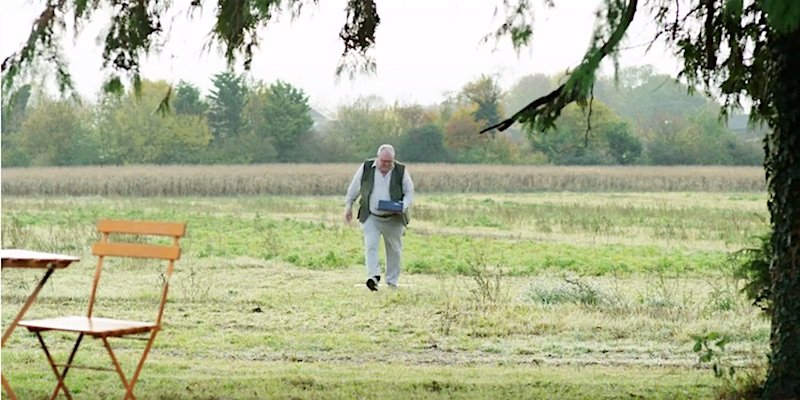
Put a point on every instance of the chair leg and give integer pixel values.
(8, 389)
(116, 365)
(60, 375)
(129, 392)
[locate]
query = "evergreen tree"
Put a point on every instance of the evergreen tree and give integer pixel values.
(288, 120)
(226, 103)
(188, 100)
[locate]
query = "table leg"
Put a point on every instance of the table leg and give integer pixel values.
(20, 314)
(27, 305)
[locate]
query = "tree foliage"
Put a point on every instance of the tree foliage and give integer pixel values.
(699, 139)
(362, 126)
(137, 27)
(527, 88)
(651, 100)
(55, 132)
(129, 131)
(288, 120)
(188, 100)
(410, 117)
(572, 143)
(372, 121)
(485, 93)
(14, 109)
(459, 132)
(226, 103)
(423, 144)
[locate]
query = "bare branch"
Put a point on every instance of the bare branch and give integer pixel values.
(589, 119)
(711, 55)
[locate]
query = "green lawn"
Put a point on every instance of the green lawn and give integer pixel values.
(504, 296)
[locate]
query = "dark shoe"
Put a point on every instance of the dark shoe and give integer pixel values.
(372, 284)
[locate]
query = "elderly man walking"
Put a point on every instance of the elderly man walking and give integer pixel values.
(386, 193)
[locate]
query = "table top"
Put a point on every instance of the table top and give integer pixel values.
(18, 258)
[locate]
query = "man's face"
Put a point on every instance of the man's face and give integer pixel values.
(385, 162)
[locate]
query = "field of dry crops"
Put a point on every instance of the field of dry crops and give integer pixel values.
(332, 179)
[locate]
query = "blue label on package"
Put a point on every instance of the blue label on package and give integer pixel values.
(387, 205)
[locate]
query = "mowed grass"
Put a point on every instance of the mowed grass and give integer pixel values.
(246, 328)
(504, 296)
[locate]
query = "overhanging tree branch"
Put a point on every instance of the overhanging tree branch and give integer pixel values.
(544, 110)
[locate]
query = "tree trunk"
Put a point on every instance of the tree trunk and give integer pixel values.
(783, 180)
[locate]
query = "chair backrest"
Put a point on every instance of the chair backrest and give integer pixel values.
(128, 239)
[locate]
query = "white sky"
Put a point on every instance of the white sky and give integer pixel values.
(425, 48)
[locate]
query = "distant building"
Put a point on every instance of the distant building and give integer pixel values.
(320, 121)
(740, 124)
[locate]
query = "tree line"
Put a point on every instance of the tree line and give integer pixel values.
(640, 118)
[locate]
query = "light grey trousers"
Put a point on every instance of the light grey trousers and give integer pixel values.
(392, 229)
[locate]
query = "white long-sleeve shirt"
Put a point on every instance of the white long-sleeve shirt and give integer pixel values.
(380, 190)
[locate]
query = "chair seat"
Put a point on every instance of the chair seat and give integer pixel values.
(93, 326)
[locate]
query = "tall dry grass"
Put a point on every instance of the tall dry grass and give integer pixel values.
(331, 179)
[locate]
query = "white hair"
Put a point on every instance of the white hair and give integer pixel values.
(386, 148)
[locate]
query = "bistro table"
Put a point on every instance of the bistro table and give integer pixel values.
(16, 258)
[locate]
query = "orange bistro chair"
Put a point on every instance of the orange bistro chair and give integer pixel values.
(131, 239)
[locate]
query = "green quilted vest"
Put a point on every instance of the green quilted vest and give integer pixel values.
(367, 181)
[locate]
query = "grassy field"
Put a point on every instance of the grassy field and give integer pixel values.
(538, 295)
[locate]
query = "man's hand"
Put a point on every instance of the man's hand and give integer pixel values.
(348, 215)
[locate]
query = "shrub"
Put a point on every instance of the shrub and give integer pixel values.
(752, 265)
